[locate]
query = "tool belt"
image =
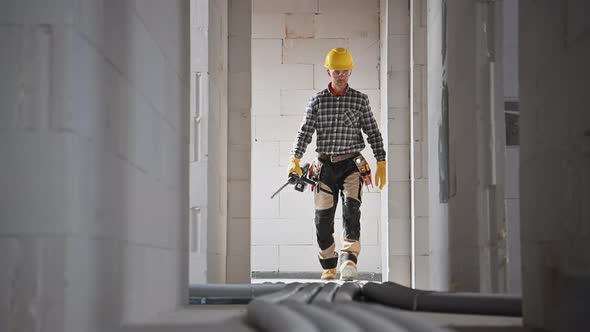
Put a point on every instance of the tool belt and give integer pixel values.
(336, 158)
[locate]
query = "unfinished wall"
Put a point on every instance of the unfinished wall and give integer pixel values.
(438, 153)
(289, 44)
(463, 201)
(199, 141)
(94, 172)
(217, 186)
(399, 142)
(555, 162)
(476, 147)
(512, 113)
(422, 222)
(239, 149)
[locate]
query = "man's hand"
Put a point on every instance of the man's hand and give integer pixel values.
(294, 167)
(380, 178)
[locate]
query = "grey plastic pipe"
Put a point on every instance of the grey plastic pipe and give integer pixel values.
(317, 307)
(230, 293)
(395, 295)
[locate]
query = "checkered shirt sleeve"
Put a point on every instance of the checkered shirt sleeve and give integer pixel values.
(338, 122)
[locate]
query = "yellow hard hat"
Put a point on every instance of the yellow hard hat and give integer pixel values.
(339, 59)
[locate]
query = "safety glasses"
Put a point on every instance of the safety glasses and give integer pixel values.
(340, 72)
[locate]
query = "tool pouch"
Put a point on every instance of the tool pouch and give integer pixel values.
(363, 167)
(360, 162)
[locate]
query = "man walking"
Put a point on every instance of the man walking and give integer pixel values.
(338, 114)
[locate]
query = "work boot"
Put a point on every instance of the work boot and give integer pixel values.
(348, 271)
(329, 274)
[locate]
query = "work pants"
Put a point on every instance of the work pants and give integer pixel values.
(336, 179)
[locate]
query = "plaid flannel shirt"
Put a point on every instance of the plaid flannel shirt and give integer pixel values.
(338, 122)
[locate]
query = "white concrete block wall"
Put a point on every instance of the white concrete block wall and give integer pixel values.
(398, 118)
(289, 44)
(299, 25)
(94, 140)
(420, 147)
(512, 187)
(239, 150)
(218, 122)
(199, 142)
(267, 25)
(281, 7)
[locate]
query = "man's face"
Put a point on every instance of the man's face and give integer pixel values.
(339, 77)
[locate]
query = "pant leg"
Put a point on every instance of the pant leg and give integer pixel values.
(325, 201)
(351, 216)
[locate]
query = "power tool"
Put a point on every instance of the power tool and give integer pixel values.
(300, 182)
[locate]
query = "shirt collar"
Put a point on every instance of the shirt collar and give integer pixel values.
(334, 92)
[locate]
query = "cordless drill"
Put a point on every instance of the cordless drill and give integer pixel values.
(300, 182)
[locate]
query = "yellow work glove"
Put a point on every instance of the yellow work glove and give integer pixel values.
(294, 167)
(380, 178)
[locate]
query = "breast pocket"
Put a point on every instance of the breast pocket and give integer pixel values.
(350, 118)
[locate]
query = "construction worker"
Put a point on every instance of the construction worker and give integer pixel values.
(338, 114)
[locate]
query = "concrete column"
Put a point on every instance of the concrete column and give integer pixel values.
(421, 233)
(239, 149)
(512, 113)
(555, 163)
(199, 142)
(217, 185)
(94, 171)
(437, 147)
(398, 139)
(228, 178)
(492, 142)
(463, 148)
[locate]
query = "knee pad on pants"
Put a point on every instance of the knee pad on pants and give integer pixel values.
(351, 211)
(324, 225)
